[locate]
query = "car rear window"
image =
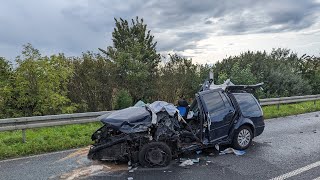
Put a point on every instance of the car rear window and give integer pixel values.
(248, 104)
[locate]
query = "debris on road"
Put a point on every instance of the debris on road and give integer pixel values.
(193, 160)
(188, 162)
(231, 150)
(132, 169)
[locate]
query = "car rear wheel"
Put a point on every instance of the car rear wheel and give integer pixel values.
(155, 154)
(242, 138)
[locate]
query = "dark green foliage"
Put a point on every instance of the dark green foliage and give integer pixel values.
(179, 77)
(6, 89)
(38, 86)
(123, 99)
(309, 67)
(280, 70)
(134, 58)
(91, 85)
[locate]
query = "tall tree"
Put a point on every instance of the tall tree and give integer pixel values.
(134, 58)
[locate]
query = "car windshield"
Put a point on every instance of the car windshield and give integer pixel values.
(248, 104)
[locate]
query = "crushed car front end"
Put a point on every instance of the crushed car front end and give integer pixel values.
(149, 135)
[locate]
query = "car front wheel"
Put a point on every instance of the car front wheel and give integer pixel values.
(242, 138)
(155, 154)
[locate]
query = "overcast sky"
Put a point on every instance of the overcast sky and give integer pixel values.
(207, 30)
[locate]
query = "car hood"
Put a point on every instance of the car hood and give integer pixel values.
(129, 120)
(138, 119)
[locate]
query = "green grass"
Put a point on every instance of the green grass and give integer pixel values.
(46, 139)
(290, 109)
(72, 136)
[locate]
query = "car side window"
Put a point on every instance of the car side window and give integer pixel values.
(213, 102)
(248, 105)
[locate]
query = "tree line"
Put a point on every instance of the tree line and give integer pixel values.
(131, 69)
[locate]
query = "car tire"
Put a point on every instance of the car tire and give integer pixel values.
(155, 154)
(242, 138)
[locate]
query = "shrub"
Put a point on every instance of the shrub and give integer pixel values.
(123, 99)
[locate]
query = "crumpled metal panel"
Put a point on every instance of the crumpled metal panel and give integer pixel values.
(129, 120)
(138, 118)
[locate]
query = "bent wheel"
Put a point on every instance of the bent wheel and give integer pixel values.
(155, 154)
(242, 138)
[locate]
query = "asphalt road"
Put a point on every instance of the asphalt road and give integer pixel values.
(289, 148)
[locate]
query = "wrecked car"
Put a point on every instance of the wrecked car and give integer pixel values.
(152, 134)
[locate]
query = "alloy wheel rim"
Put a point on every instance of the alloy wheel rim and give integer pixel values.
(244, 137)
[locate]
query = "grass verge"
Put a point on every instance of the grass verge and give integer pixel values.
(290, 109)
(72, 136)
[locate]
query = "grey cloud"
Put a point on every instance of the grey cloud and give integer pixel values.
(234, 17)
(264, 17)
(182, 41)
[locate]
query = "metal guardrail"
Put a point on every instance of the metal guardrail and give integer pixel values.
(24, 123)
(287, 100)
(50, 120)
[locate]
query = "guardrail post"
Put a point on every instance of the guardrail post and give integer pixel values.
(278, 105)
(23, 135)
(314, 103)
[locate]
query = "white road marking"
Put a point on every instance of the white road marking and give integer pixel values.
(298, 171)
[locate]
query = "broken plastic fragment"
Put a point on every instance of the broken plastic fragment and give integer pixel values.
(231, 150)
(186, 163)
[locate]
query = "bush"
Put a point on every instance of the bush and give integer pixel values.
(123, 99)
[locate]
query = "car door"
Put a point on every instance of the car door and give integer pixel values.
(219, 113)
